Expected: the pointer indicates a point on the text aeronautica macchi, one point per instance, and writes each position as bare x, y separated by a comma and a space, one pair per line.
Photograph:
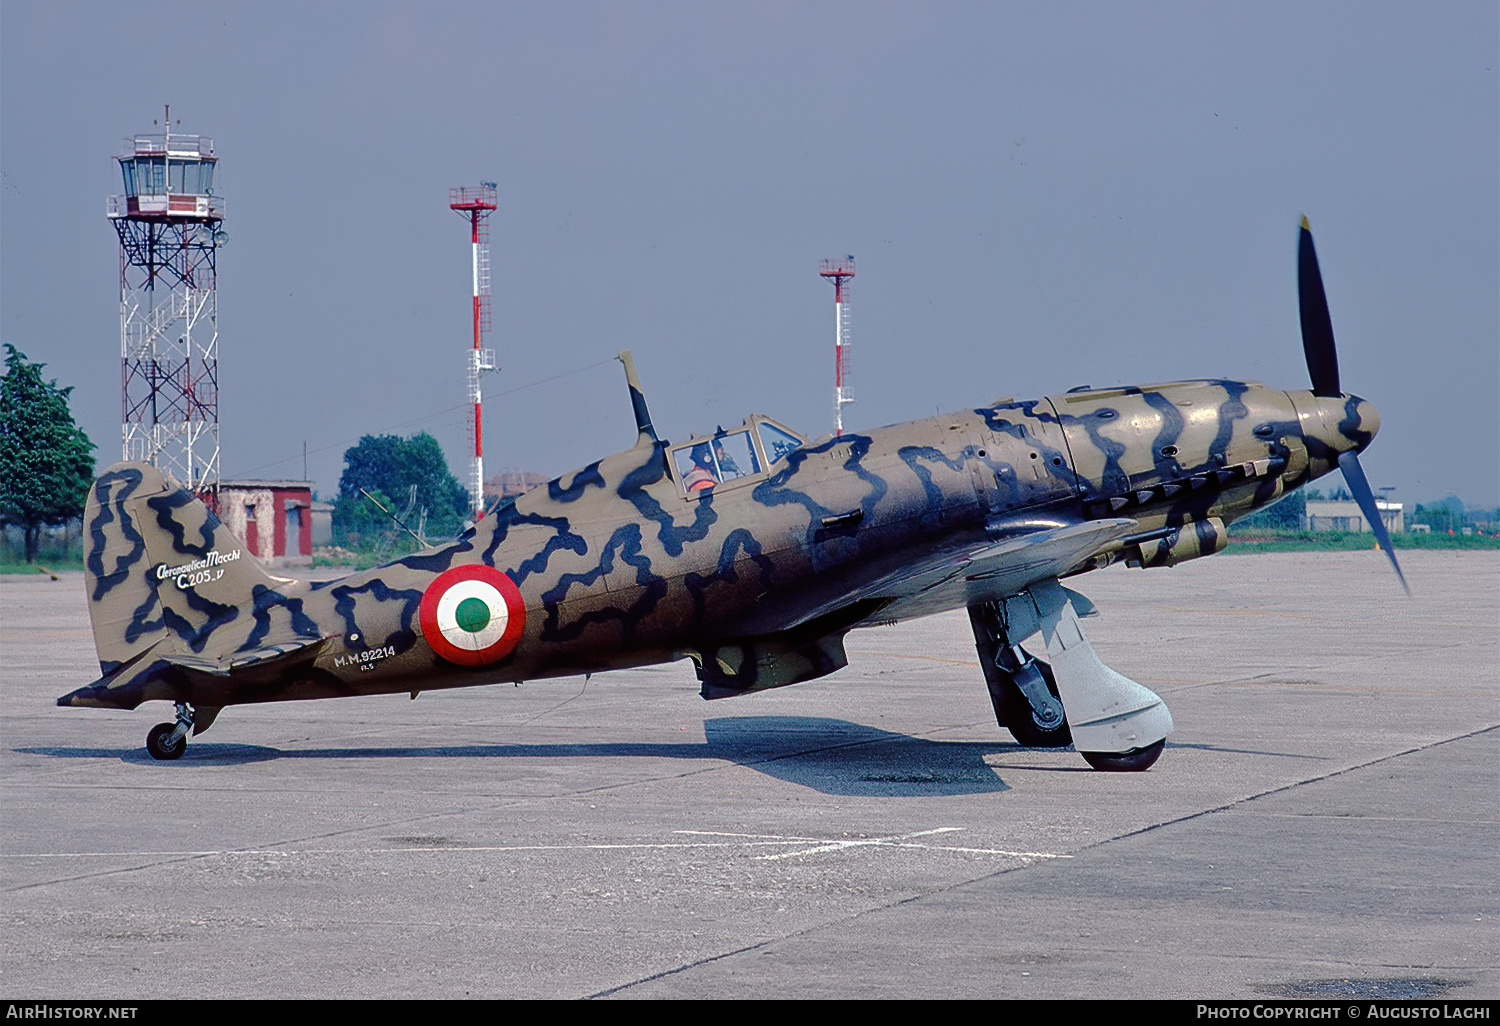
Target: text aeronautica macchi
751, 552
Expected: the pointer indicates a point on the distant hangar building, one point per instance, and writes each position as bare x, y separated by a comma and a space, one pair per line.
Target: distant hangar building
509, 484
273, 517
1344, 515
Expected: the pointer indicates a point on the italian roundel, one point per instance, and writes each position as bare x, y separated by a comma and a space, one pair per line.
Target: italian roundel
472, 615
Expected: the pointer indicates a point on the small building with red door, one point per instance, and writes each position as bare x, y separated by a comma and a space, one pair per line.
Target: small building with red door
274, 518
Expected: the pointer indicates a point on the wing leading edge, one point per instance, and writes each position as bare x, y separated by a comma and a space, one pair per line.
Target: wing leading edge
982, 574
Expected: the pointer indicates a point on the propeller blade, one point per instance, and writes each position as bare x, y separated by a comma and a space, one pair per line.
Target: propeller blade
1317, 325
1354, 475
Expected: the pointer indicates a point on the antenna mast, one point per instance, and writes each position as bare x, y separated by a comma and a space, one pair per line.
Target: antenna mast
475, 206
840, 272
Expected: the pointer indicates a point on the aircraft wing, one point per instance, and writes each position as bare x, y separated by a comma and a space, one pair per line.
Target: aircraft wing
956, 581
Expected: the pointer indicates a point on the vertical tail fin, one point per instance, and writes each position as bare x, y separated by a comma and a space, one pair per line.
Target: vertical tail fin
158, 565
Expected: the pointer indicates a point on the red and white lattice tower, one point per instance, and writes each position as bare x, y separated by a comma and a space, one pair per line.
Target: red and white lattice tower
840, 272
168, 222
476, 205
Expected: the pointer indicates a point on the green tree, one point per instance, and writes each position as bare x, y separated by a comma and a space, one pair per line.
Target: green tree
390, 467
46, 462
1445, 516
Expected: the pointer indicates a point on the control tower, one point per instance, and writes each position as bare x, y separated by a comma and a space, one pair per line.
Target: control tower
169, 224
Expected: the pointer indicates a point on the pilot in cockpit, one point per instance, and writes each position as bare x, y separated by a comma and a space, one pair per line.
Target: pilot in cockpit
702, 476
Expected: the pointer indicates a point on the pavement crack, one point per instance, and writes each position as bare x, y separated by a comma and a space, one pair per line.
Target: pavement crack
843, 921
1189, 817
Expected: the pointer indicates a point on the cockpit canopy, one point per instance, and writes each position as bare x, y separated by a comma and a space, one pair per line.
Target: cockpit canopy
730, 457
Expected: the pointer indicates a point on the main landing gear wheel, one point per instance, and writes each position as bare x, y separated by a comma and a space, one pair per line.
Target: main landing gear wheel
1137, 760
160, 744
1021, 721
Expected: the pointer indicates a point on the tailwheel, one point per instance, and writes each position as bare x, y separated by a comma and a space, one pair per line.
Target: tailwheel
1137, 760
169, 740
163, 742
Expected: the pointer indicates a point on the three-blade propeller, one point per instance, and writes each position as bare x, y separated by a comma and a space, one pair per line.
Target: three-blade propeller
1323, 369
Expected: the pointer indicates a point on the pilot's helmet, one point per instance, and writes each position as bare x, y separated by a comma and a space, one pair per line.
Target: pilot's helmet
701, 456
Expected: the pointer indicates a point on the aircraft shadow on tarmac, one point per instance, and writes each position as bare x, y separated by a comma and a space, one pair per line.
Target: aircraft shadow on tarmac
833, 756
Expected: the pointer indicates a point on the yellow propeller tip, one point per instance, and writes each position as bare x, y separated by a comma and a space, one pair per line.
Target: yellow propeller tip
1305, 226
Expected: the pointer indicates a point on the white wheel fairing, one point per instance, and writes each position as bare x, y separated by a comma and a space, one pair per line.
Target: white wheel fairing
472, 615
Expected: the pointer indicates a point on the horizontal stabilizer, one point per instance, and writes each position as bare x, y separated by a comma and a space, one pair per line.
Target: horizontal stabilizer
271, 659
140, 679
158, 674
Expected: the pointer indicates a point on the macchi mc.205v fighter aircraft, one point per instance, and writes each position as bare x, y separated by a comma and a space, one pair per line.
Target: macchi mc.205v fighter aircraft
751, 552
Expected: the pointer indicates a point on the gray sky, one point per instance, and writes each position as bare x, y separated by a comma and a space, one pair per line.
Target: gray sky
1038, 195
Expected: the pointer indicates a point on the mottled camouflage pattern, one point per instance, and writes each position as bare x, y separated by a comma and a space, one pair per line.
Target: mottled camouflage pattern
756, 580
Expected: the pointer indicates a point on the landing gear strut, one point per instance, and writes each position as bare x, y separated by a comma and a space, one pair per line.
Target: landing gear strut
168, 741
1022, 689
1116, 724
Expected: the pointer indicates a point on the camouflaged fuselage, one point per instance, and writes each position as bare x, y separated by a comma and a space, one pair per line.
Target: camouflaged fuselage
618, 565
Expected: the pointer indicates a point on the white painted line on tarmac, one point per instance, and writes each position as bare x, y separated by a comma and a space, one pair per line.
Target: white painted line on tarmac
818, 845
821, 845
414, 849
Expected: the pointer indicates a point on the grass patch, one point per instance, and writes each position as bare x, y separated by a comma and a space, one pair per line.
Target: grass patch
336, 557
41, 566
54, 554
1264, 540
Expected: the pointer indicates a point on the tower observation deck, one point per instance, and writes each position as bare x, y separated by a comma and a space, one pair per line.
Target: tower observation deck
169, 225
